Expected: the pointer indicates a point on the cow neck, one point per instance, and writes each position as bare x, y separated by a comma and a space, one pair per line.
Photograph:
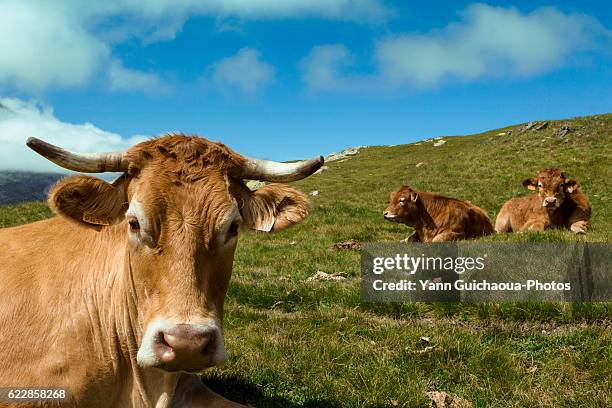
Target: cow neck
424, 221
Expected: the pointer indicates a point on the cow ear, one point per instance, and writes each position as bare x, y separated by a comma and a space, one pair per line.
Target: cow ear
570, 185
414, 196
274, 207
89, 201
531, 183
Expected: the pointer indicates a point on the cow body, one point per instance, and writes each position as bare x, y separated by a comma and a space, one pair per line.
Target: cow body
119, 299
559, 203
436, 218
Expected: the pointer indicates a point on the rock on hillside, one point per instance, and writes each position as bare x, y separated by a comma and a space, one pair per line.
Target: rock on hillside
351, 151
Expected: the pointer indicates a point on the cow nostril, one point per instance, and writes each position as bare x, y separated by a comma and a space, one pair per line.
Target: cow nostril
206, 345
166, 339
164, 348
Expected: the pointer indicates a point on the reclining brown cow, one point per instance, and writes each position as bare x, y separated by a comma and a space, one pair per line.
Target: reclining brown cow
436, 218
558, 204
119, 299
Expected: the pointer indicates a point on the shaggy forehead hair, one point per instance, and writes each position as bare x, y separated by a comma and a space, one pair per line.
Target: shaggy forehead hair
204, 167
187, 158
552, 173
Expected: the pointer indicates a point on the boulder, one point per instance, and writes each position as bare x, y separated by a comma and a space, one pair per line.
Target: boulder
564, 130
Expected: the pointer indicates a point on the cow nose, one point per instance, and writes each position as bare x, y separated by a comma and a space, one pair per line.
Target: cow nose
185, 345
549, 201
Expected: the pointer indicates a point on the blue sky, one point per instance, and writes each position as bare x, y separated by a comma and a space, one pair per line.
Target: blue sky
292, 79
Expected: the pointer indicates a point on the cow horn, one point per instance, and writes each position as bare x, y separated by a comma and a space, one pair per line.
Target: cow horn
266, 170
83, 162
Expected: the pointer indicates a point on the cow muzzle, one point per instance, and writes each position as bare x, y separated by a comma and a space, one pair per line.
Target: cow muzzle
550, 202
182, 347
389, 216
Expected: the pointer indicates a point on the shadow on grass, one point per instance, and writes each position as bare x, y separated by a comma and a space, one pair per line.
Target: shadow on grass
303, 298
239, 390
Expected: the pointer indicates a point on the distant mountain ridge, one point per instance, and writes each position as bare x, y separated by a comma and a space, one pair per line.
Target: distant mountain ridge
23, 186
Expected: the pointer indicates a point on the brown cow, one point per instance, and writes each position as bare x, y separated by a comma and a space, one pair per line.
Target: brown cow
120, 297
558, 204
436, 218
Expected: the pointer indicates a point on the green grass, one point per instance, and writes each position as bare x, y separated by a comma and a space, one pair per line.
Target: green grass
294, 343
17, 214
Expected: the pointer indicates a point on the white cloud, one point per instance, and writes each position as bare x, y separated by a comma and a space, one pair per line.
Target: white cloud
351, 10
22, 119
125, 79
244, 71
347, 10
327, 68
44, 47
490, 41
322, 67
64, 43
487, 42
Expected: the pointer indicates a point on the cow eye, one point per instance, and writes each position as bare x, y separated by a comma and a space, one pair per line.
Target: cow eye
233, 229
539, 184
134, 225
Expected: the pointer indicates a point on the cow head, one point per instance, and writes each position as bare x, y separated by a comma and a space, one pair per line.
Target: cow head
552, 187
403, 205
178, 207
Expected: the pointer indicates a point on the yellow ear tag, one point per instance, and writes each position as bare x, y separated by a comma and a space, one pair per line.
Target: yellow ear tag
531, 187
89, 218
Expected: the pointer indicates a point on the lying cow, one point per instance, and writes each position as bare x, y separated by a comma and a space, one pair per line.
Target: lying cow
436, 218
120, 297
558, 204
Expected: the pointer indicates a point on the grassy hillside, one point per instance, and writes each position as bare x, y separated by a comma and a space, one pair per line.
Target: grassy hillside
297, 343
